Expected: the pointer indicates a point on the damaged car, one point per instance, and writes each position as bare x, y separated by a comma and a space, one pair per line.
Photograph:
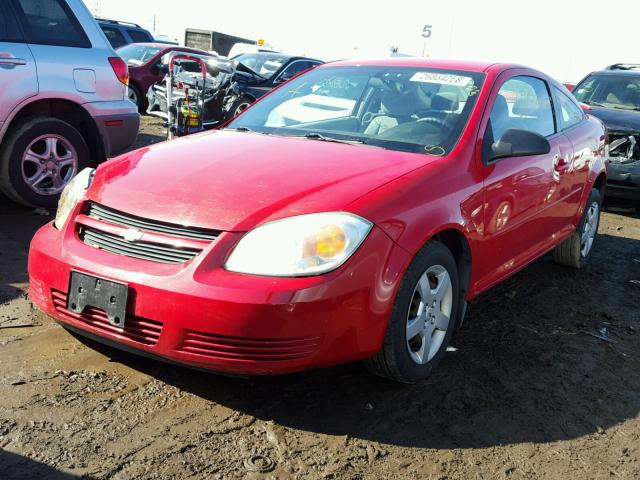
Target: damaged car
265, 249
613, 95
230, 85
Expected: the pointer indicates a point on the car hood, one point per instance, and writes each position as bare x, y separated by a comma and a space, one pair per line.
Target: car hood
233, 181
617, 120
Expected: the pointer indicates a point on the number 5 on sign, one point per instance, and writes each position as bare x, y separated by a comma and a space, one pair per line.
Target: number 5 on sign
427, 30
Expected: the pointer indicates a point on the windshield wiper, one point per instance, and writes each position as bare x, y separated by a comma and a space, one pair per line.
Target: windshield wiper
238, 129
318, 136
595, 104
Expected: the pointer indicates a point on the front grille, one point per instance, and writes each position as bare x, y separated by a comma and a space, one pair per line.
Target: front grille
160, 241
140, 330
234, 348
115, 217
143, 250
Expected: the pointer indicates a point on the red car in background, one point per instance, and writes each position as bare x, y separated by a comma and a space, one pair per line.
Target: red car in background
274, 245
144, 61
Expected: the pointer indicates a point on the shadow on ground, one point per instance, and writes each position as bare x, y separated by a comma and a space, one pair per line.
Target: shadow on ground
17, 226
17, 467
525, 370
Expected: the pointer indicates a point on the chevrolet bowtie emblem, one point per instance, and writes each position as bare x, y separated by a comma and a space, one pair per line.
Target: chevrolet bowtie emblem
132, 235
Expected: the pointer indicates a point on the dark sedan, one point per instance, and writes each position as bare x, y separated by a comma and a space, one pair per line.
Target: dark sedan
257, 73
613, 95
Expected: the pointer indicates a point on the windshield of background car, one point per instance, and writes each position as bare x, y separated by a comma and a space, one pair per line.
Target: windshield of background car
264, 64
622, 92
137, 54
400, 108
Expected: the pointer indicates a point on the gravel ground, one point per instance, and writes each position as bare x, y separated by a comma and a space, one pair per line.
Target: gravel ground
529, 393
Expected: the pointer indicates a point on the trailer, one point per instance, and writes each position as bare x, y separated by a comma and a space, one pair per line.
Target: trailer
209, 40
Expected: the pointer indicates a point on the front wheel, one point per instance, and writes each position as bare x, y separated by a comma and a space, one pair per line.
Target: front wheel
423, 318
576, 250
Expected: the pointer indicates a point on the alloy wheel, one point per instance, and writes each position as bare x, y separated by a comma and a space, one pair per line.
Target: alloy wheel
429, 315
48, 164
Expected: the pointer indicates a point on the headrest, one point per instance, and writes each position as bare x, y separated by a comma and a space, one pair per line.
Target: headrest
445, 102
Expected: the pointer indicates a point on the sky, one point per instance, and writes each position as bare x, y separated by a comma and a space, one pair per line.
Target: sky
564, 38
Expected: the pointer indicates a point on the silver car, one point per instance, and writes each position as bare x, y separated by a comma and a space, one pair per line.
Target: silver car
63, 102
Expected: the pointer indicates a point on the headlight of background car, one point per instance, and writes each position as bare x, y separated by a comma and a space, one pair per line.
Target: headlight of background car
299, 246
71, 195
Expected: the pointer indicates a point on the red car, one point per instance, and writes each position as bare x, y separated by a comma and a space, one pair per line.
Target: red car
144, 61
275, 245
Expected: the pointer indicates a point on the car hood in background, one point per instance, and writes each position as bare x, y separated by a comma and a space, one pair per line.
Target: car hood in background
234, 181
617, 120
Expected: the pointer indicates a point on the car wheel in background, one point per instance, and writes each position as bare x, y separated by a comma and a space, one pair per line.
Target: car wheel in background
239, 105
39, 157
576, 250
134, 95
423, 318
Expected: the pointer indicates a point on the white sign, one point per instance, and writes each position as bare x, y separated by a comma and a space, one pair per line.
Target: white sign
442, 78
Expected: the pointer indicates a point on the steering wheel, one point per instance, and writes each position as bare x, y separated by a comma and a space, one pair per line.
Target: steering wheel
441, 124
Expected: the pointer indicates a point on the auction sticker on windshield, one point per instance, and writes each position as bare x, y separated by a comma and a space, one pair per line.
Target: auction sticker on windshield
442, 78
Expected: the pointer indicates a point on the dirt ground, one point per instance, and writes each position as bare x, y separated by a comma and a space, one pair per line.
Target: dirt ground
528, 393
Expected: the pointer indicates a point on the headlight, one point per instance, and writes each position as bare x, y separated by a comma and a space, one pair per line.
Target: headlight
299, 246
71, 195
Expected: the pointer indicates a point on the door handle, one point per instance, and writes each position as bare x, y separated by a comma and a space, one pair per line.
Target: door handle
560, 164
8, 59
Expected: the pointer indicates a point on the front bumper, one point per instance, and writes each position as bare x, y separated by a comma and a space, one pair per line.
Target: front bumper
623, 181
200, 315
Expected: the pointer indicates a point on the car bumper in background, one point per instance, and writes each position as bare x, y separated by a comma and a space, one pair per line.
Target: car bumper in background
623, 181
203, 316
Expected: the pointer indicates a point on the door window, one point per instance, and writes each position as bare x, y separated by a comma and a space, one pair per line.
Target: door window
523, 103
50, 22
8, 28
295, 68
570, 114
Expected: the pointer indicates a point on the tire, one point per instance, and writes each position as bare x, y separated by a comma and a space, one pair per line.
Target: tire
133, 93
40, 147
399, 358
239, 105
576, 250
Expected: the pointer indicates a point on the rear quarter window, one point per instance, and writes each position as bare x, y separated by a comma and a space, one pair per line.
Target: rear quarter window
115, 37
50, 22
8, 29
138, 36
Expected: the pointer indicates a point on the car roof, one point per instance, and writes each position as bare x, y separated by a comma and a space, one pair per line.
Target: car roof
167, 46
466, 65
617, 72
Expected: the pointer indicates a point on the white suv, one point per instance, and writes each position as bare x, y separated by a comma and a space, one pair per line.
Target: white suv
63, 102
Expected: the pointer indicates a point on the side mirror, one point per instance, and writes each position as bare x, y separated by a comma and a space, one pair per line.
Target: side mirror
519, 143
160, 68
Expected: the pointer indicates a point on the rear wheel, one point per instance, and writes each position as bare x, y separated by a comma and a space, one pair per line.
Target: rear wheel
39, 158
423, 319
576, 250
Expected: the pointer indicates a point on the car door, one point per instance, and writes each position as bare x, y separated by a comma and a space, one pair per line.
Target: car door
573, 123
18, 75
521, 208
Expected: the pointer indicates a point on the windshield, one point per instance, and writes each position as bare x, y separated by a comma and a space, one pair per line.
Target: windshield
621, 92
137, 54
400, 108
264, 64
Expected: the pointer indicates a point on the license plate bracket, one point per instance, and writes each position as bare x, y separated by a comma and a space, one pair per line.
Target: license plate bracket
91, 291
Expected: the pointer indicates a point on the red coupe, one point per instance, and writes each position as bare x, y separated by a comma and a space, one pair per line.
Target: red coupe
278, 244
145, 62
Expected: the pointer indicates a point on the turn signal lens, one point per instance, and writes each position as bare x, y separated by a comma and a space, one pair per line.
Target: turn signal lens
327, 243
120, 68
